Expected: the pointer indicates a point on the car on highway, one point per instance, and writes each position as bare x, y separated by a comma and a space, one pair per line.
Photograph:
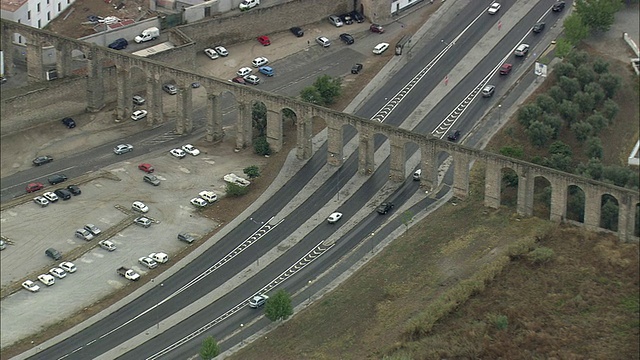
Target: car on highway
212, 54
56, 179
46, 279
522, 50
151, 179
41, 160
146, 168
179, 153
385, 207
148, 262
74, 189
375, 28
248, 4
68, 266
53, 253
107, 245
58, 272
454, 135
94, 230
122, 149
257, 301
138, 100
170, 89
260, 61
333, 218
538, 27
244, 71
221, 50
41, 200
84, 234
488, 91
142, 221
266, 70
139, 206
264, 40
138, 115
33, 187
558, 6
356, 68
505, 69
31, 286
209, 196
186, 237
63, 194
239, 80
297, 31
159, 257
51, 196
493, 9
199, 202
380, 48
347, 38
335, 20
252, 79
69, 122
323, 41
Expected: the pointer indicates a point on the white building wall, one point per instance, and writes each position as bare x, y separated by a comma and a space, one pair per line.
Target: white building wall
36, 13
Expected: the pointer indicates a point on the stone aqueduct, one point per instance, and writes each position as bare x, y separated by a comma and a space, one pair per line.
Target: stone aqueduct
155, 72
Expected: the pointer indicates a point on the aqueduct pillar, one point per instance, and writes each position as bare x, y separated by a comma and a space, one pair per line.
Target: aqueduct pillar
35, 69
95, 80
274, 130
215, 131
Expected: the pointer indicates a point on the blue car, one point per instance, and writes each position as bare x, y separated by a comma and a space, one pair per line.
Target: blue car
267, 70
119, 44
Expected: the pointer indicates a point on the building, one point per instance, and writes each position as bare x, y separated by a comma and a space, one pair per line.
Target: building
35, 13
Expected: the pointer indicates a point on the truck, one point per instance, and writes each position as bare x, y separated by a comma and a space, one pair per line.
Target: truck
149, 34
127, 273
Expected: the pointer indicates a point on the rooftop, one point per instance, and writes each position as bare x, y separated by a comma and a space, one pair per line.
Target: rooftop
12, 5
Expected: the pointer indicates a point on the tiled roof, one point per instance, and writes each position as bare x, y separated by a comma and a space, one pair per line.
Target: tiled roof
12, 5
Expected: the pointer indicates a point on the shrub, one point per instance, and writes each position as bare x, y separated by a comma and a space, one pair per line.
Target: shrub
578, 57
261, 146
558, 147
553, 121
311, 95
564, 69
539, 133
600, 66
516, 152
569, 111
618, 175
597, 92
541, 255
557, 94
501, 322
610, 110
560, 162
594, 148
582, 130
593, 169
528, 114
546, 103
585, 74
585, 102
252, 171
610, 83
570, 86
597, 122
236, 190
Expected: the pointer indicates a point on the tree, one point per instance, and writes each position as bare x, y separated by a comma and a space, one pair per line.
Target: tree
311, 95
618, 175
599, 14
582, 130
529, 113
570, 86
585, 102
561, 162
209, 349
236, 190
516, 152
259, 118
575, 30
578, 57
558, 147
610, 83
555, 122
329, 88
585, 74
595, 90
563, 47
594, 169
594, 148
609, 211
546, 103
539, 133
288, 114
261, 146
600, 66
557, 94
597, 122
569, 111
610, 110
278, 307
252, 171
564, 68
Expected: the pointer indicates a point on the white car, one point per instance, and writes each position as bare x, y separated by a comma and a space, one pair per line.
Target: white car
142, 221
58, 272
31, 286
179, 153
494, 8
323, 41
252, 79
49, 195
47, 279
138, 115
221, 50
122, 149
209, 196
258, 301
333, 218
92, 229
159, 257
68, 266
148, 262
244, 71
212, 54
107, 245
190, 149
41, 200
380, 48
199, 202
260, 61
84, 234
248, 4
139, 206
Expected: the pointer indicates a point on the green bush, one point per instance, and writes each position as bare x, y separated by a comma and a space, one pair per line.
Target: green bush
252, 171
236, 190
261, 146
541, 255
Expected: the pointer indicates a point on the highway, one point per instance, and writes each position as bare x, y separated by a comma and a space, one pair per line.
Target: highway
117, 325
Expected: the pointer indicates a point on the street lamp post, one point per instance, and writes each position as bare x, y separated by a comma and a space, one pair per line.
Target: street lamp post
499, 112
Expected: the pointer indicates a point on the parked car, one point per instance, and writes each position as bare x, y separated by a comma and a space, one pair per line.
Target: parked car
119, 44
146, 168
266, 70
151, 179
159, 257
139, 206
488, 91
454, 136
264, 40
346, 19
493, 9
148, 262
198, 202
138, 100
107, 245
297, 31
93, 229
384, 208
323, 41
221, 50
138, 115
380, 48
186, 237
239, 80
558, 6
41, 160
212, 54
31, 286
58, 272
68, 266
252, 79
57, 179
505, 69
248, 4
257, 301
122, 149
51, 196
53, 253
69, 122
333, 218
357, 17
244, 71
128, 274
179, 153
538, 27
260, 61
335, 20
74, 189
347, 38
375, 28
356, 68
209, 196
41, 200
84, 234
47, 279
522, 50
191, 150
33, 187
142, 221
3, 245
170, 89
63, 194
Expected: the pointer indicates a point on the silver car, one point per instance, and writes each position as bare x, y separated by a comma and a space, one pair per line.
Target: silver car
84, 234
170, 89
122, 149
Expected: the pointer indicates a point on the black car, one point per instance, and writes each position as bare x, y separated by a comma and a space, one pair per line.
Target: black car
57, 178
186, 237
74, 189
357, 17
384, 208
356, 68
41, 160
297, 31
63, 194
558, 6
454, 136
346, 19
347, 38
69, 122
53, 253
119, 44
538, 27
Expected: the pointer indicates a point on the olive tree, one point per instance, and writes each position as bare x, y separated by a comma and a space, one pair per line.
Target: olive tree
210, 348
278, 306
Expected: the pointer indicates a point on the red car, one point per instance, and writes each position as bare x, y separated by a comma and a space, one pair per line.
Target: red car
505, 69
239, 80
34, 187
146, 168
264, 40
376, 28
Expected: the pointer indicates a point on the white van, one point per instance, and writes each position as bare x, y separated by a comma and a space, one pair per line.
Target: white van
159, 257
416, 175
149, 34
